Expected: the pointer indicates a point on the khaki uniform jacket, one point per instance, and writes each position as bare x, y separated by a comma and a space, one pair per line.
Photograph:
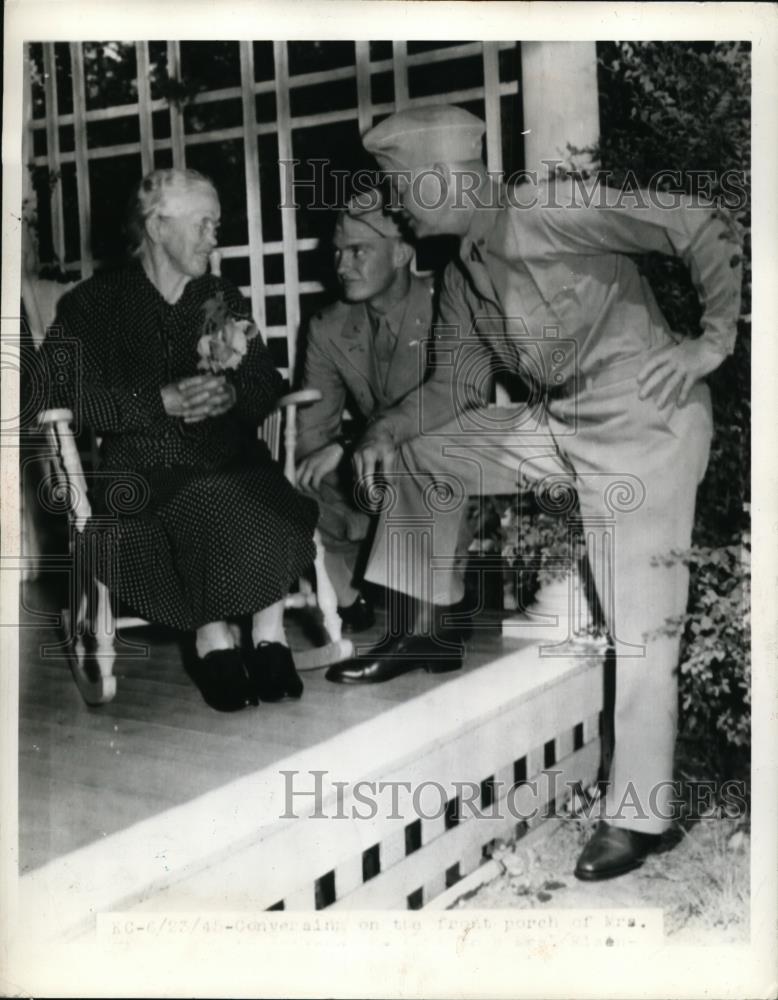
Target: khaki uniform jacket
340, 362
545, 286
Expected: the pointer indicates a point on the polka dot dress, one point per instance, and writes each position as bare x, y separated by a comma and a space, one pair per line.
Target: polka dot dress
194, 523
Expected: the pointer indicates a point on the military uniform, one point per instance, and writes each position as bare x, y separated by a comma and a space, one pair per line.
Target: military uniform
365, 363
547, 288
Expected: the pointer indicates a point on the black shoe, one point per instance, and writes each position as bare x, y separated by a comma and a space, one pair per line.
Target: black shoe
223, 681
613, 851
395, 656
272, 672
357, 616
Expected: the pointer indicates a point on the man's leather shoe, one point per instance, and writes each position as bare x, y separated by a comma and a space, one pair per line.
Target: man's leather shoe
357, 616
613, 851
395, 656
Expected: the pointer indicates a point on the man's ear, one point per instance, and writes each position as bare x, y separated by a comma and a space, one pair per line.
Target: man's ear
403, 253
444, 169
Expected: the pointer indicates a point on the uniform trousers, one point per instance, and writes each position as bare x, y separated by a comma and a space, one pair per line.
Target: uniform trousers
636, 470
343, 527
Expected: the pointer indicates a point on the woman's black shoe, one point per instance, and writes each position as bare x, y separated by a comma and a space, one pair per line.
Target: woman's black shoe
272, 672
223, 681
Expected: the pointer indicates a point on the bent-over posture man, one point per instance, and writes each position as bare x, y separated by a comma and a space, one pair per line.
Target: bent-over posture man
544, 285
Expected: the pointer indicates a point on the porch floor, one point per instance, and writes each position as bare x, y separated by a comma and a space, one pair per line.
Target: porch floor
87, 773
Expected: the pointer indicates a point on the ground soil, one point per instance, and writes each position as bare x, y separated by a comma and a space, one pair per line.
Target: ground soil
699, 879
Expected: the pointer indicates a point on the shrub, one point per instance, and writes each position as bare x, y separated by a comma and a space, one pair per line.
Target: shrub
715, 664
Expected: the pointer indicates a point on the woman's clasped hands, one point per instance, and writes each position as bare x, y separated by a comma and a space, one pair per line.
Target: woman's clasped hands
197, 397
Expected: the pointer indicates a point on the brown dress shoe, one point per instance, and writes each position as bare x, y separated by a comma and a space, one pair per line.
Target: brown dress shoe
613, 851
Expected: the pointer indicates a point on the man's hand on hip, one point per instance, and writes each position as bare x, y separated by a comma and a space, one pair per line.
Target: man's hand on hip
675, 369
371, 455
319, 464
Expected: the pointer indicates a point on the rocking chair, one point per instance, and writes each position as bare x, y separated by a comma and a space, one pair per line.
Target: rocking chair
90, 621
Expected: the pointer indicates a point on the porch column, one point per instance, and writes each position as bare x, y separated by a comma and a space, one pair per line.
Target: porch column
559, 94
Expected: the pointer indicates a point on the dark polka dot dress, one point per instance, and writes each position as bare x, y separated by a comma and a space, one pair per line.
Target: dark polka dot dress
193, 523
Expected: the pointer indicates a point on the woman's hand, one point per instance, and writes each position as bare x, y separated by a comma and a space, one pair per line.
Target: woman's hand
200, 396
221, 399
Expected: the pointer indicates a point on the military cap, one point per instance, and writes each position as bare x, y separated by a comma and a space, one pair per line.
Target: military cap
367, 209
419, 137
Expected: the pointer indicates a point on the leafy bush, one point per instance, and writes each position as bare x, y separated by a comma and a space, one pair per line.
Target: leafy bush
716, 652
535, 545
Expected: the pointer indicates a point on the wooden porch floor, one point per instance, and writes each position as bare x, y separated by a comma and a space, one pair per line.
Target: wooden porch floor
87, 773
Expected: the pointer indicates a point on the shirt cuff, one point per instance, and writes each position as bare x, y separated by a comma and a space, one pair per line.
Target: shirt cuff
142, 408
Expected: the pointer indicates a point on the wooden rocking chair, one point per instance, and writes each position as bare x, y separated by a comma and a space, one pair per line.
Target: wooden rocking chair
90, 622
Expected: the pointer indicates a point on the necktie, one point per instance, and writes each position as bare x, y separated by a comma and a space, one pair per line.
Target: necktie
477, 270
492, 319
384, 343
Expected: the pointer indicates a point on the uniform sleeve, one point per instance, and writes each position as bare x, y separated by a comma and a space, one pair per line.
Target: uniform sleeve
321, 422
581, 220
257, 381
458, 374
74, 358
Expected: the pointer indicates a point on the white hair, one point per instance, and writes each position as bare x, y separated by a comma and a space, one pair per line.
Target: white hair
152, 191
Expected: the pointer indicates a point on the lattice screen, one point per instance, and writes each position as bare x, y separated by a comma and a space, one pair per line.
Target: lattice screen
102, 114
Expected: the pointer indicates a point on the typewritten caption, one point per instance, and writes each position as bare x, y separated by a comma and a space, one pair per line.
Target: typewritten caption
539, 930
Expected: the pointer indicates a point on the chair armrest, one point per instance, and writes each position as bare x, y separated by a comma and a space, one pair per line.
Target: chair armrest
289, 404
48, 417
300, 398
67, 461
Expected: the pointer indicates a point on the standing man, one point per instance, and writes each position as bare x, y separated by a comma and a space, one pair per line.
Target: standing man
363, 355
544, 286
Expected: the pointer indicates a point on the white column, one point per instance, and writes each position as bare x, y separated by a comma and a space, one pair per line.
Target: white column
559, 95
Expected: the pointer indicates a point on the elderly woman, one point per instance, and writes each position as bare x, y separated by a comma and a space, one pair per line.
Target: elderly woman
218, 533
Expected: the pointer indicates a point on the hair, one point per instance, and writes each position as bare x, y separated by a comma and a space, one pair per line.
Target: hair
150, 194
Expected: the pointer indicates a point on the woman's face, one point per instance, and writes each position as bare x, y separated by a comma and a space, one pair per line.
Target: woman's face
188, 231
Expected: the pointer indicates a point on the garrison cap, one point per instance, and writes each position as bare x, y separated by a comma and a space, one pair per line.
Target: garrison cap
419, 137
367, 210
